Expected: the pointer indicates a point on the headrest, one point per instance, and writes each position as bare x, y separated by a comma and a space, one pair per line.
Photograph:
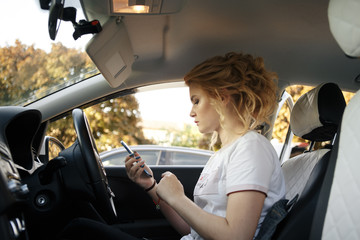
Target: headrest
317, 114
344, 24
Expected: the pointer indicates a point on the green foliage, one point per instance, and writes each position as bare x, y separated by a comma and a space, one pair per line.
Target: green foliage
188, 137
17, 64
110, 122
115, 120
29, 73
63, 130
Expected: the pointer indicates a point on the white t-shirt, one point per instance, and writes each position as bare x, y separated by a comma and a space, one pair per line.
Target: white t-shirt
249, 163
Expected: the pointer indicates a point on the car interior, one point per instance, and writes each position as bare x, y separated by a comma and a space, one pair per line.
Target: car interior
316, 117
146, 43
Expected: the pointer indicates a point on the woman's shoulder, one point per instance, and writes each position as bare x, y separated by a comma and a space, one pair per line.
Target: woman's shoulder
254, 141
250, 141
250, 136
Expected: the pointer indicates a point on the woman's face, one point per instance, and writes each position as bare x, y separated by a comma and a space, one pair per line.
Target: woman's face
205, 115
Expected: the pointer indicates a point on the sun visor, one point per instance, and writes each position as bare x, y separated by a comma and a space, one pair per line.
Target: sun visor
111, 52
344, 23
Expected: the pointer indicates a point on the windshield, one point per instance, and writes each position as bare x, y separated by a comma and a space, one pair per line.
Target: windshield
31, 64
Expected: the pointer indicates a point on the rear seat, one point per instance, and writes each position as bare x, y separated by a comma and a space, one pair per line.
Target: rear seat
315, 117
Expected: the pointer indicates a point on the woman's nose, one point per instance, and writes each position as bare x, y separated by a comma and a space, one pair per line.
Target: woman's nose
192, 113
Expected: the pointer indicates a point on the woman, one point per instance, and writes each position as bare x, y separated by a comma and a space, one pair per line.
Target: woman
232, 96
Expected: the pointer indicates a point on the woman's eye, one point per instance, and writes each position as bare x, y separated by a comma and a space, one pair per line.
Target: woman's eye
196, 101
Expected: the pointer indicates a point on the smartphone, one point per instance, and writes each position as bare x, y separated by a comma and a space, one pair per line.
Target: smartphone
131, 152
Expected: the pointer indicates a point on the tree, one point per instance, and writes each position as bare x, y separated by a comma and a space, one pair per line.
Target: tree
187, 137
115, 120
29, 73
110, 122
18, 71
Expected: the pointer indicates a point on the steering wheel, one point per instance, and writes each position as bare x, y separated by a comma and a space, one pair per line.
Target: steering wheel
95, 169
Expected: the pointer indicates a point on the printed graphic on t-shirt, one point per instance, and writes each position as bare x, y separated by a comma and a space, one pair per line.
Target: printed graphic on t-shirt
207, 183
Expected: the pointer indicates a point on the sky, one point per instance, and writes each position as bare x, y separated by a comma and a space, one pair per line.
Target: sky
173, 105
24, 20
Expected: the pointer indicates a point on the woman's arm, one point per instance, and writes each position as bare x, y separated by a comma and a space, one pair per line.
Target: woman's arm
242, 214
135, 173
171, 215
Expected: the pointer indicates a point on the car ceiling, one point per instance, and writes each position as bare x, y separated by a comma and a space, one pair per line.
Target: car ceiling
293, 37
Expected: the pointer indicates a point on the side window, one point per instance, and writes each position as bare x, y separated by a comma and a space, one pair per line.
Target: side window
117, 157
149, 116
182, 158
151, 157
159, 115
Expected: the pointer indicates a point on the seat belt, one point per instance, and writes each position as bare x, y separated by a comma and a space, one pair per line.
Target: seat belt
322, 204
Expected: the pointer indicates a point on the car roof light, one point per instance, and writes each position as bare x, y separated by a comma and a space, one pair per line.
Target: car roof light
124, 7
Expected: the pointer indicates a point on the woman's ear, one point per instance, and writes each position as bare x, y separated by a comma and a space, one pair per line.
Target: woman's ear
225, 97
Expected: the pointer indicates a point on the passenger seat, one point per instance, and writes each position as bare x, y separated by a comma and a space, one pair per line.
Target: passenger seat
315, 117
337, 214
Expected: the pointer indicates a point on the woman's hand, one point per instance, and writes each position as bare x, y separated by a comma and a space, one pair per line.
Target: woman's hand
135, 167
170, 188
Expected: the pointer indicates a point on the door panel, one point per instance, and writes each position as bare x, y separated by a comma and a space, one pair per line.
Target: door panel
136, 211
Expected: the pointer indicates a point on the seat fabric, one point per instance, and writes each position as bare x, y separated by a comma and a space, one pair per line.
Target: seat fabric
343, 212
301, 165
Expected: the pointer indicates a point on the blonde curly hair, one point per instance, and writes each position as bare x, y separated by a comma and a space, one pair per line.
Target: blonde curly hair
252, 89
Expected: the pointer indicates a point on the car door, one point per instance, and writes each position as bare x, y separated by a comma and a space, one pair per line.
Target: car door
136, 211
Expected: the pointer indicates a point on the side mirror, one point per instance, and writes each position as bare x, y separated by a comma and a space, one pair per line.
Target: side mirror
50, 149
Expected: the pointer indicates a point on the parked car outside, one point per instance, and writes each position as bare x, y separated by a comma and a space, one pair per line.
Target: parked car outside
158, 155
